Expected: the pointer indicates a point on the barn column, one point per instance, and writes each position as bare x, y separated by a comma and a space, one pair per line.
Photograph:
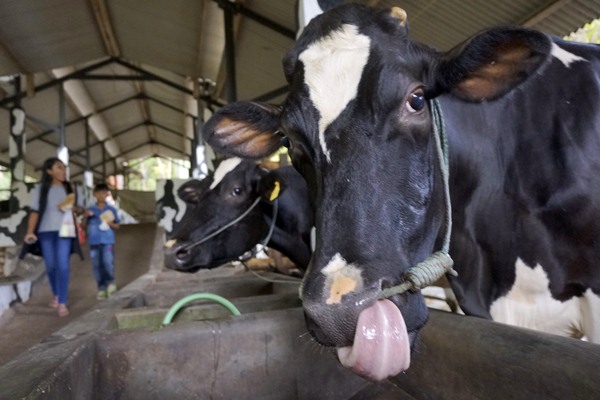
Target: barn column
103, 163
199, 160
62, 152
19, 197
16, 146
88, 175
229, 13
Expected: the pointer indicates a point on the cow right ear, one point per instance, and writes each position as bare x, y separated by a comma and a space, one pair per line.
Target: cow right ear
245, 129
492, 63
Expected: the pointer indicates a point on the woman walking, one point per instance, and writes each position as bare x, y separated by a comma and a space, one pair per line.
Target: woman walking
51, 199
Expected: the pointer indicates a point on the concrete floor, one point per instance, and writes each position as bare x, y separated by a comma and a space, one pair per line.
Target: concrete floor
27, 324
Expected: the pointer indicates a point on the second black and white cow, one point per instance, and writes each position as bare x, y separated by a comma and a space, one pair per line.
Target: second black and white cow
216, 206
521, 120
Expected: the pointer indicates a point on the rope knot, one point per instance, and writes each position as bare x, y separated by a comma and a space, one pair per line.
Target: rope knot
423, 274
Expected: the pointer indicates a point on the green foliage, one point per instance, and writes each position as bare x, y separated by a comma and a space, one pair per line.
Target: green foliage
589, 33
142, 174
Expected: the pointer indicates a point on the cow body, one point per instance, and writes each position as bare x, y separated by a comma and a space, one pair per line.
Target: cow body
520, 117
223, 197
526, 198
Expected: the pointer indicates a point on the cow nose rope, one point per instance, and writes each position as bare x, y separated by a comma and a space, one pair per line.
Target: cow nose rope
225, 227
439, 263
263, 243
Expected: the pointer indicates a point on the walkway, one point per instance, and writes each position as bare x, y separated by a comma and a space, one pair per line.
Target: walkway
27, 324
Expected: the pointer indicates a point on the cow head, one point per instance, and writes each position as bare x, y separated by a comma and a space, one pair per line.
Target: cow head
214, 202
360, 131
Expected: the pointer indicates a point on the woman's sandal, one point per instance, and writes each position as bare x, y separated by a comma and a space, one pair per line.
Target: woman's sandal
63, 311
54, 303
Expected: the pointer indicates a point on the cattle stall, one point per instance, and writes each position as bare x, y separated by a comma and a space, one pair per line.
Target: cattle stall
121, 351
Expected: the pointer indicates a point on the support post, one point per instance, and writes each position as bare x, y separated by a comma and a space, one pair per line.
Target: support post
103, 163
198, 160
88, 175
62, 151
228, 13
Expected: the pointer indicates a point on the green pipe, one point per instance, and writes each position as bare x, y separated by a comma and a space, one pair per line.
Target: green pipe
199, 296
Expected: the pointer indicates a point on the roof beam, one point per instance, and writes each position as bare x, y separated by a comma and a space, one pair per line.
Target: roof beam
105, 26
272, 94
54, 82
545, 13
154, 76
240, 9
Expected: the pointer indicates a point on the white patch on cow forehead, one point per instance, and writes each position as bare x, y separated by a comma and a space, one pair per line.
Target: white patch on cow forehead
332, 70
564, 56
223, 169
341, 278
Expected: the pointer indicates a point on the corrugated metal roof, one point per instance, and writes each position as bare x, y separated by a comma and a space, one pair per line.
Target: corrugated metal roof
445, 23
177, 42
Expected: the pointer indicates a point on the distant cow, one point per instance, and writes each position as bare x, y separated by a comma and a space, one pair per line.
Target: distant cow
222, 199
522, 124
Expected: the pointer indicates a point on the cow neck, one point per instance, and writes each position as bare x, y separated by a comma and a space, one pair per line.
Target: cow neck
439, 263
263, 243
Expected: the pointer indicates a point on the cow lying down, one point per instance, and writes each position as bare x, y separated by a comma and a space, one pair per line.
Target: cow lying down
370, 119
236, 188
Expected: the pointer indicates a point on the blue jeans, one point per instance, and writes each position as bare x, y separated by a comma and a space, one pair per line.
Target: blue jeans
103, 264
56, 252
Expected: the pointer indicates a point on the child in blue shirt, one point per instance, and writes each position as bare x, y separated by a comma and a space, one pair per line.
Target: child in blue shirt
102, 220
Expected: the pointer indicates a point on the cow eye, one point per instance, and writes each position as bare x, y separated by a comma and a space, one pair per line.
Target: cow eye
416, 101
236, 191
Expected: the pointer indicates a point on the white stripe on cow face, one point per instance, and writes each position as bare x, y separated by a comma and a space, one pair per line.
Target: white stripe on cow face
333, 67
225, 167
529, 304
341, 278
564, 56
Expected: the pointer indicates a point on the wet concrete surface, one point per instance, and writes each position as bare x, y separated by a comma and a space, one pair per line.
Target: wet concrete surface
27, 324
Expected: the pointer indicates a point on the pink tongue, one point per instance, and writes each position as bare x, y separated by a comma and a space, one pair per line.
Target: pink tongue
381, 346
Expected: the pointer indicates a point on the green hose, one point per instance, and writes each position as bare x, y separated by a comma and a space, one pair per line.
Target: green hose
199, 296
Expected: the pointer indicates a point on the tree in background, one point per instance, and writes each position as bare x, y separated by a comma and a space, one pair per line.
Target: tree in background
142, 174
589, 33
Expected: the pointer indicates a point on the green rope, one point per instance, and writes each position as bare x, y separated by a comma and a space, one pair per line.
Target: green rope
441, 140
435, 266
423, 274
199, 296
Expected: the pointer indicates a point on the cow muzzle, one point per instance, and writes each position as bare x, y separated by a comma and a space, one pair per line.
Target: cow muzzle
369, 334
178, 256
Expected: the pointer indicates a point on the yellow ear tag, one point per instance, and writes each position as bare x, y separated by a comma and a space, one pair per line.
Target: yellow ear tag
275, 192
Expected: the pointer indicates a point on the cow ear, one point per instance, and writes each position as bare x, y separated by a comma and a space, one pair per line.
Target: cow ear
271, 186
492, 63
244, 129
193, 190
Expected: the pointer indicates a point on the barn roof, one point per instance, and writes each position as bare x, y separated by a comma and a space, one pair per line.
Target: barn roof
132, 69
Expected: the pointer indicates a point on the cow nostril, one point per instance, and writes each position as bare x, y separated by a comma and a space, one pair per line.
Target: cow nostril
182, 254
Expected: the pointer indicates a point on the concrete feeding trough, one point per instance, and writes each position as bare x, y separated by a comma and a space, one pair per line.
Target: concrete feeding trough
121, 351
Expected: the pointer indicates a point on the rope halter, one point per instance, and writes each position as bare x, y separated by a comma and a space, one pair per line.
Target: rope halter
439, 263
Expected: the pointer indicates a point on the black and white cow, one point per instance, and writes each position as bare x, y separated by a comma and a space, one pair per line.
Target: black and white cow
222, 198
522, 124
